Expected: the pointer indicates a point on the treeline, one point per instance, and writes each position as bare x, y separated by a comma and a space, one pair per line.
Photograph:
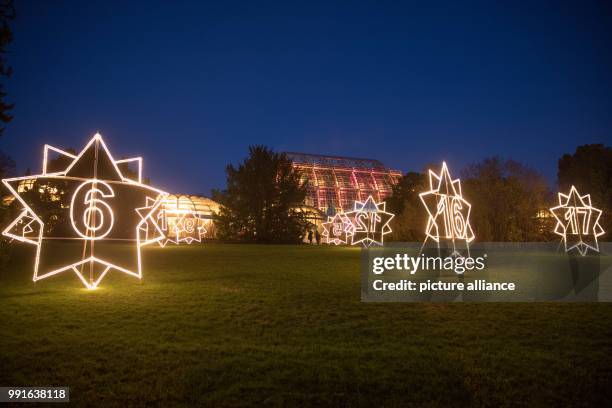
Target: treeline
510, 201
7, 165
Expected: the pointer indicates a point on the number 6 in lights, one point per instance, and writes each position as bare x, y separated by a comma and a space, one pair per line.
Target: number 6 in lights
93, 219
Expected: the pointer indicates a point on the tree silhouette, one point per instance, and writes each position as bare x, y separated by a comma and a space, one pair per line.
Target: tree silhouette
590, 170
508, 199
410, 215
7, 13
262, 200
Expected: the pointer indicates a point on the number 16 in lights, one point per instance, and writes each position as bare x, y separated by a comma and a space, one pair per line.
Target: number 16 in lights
449, 212
454, 224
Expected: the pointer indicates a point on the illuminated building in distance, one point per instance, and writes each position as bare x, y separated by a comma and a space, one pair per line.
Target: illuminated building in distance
334, 183
187, 218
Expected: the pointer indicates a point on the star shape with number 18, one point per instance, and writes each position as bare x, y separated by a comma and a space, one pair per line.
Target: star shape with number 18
338, 229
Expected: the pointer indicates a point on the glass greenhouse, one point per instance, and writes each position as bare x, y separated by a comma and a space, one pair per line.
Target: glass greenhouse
335, 183
187, 217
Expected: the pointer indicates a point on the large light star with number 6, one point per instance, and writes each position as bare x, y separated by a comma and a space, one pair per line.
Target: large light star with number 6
89, 201
577, 222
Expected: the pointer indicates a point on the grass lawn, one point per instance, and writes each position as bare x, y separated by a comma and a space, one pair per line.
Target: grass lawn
238, 325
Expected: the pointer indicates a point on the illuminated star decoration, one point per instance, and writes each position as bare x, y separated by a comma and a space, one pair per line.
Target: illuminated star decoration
577, 222
338, 229
370, 222
189, 228
96, 203
449, 212
181, 222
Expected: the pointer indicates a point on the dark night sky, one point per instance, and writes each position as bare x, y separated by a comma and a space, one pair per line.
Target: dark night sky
190, 86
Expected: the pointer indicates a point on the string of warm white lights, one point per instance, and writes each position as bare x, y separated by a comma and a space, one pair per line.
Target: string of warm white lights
103, 204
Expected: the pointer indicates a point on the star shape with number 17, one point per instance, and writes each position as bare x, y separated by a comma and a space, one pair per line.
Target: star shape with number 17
577, 222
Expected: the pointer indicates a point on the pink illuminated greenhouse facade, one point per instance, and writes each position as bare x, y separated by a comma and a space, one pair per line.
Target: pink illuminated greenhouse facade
335, 183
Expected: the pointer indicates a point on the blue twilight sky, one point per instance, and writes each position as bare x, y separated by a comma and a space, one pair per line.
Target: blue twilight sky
190, 85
